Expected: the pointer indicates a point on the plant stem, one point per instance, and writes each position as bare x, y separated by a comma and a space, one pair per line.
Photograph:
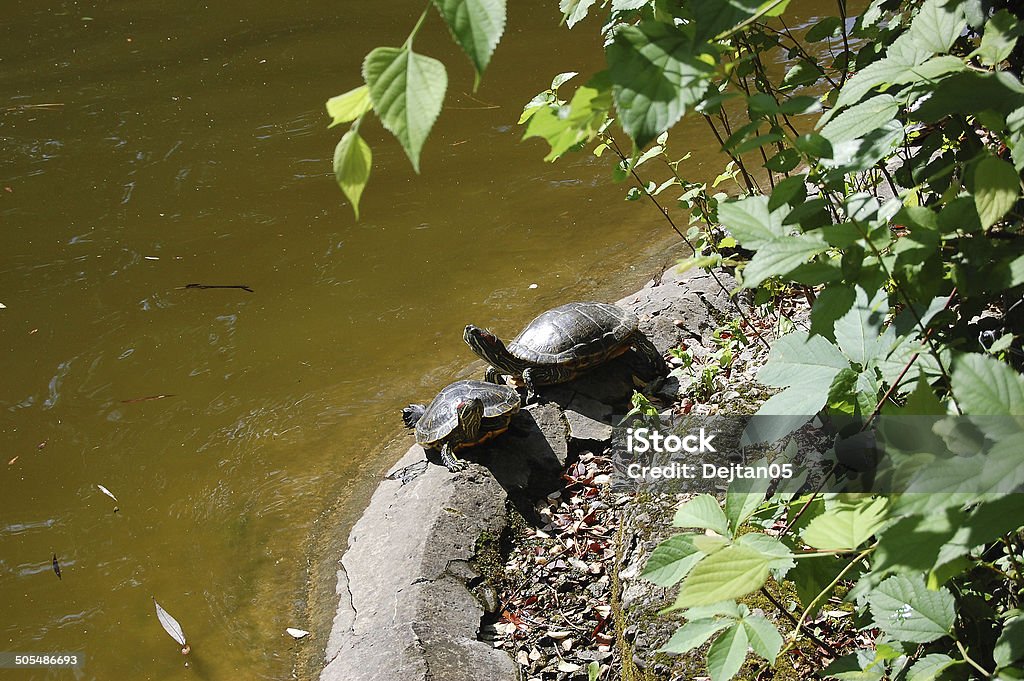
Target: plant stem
968, 660
417, 27
807, 632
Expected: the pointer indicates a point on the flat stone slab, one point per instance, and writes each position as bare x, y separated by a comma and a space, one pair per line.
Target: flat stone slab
405, 609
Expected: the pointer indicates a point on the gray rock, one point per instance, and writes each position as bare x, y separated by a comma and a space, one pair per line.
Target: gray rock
582, 427
405, 610
529, 458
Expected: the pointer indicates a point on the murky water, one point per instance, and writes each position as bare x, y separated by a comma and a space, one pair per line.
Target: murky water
145, 146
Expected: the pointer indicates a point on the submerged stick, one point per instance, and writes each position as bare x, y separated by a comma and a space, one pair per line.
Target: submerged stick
241, 286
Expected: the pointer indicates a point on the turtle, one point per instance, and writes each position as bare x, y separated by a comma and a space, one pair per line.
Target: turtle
464, 414
562, 342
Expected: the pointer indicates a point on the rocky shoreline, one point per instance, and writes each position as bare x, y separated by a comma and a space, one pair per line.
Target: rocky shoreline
520, 566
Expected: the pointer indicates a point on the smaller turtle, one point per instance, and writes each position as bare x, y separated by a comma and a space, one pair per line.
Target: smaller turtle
464, 414
561, 343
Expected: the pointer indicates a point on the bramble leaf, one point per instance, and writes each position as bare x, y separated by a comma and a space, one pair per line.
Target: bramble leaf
476, 25
903, 607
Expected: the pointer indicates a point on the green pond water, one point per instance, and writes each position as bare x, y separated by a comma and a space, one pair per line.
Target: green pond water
145, 146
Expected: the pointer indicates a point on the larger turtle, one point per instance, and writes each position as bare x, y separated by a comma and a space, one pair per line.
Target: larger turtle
562, 342
463, 414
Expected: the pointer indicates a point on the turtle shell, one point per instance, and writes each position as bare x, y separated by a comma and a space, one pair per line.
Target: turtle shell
578, 335
440, 417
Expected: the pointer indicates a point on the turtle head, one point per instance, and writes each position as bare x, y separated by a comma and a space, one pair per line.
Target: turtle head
489, 348
470, 413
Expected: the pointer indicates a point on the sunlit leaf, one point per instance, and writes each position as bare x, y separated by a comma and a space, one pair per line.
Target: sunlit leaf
671, 560
352, 162
731, 573
905, 608
349, 106
703, 512
847, 525
996, 189
997, 42
407, 90
170, 624
476, 25
694, 634
574, 11
727, 653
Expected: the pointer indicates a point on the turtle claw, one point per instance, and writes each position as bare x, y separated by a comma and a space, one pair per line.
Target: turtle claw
450, 462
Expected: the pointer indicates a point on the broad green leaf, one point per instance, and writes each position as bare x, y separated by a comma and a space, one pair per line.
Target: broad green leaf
804, 73
847, 525
407, 90
796, 359
713, 17
895, 71
861, 119
858, 666
781, 256
814, 145
352, 162
671, 560
731, 573
996, 189
811, 576
727, 653
779, 554
694, 634
349, 106
750, 221
829, 26
1001, 473
657, 72
1010, 646
577, 122
984, 385
863, 153
937, 25
832, 303
903, 607
859, 332
742, 499
1000, 37
702, 512
476, 25
574, 11
930, 667
764, 637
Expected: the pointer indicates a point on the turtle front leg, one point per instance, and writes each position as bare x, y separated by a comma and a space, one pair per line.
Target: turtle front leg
538, 376
651, 357
492, 375
449, 460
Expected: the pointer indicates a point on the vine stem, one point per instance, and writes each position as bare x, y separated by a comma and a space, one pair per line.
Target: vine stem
828, 589
417, 27
807, 632
664, 212
967, 658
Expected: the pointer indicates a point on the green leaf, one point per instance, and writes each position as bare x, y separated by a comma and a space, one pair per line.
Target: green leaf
750, 221
742, 499
352, 162
727, 653
1010, 646
804, 73
784, 161
625, 5
731, 573
694, 634
811, 576
657, 72
574, 11
780, 257
999, 39
476, 26
702, 512
896, 69
781, 558
903, 607
714, 17
763, 636
937, 25
671, 560
984, 385
827, 27
861, 119
349, 106
930, 667
847, 525
832, 303
859, 332
996, 188
566, 127
407, 90
814, 145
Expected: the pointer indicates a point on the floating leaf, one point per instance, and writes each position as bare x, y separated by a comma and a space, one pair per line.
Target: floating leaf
106, 491
297, 633
170, 625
